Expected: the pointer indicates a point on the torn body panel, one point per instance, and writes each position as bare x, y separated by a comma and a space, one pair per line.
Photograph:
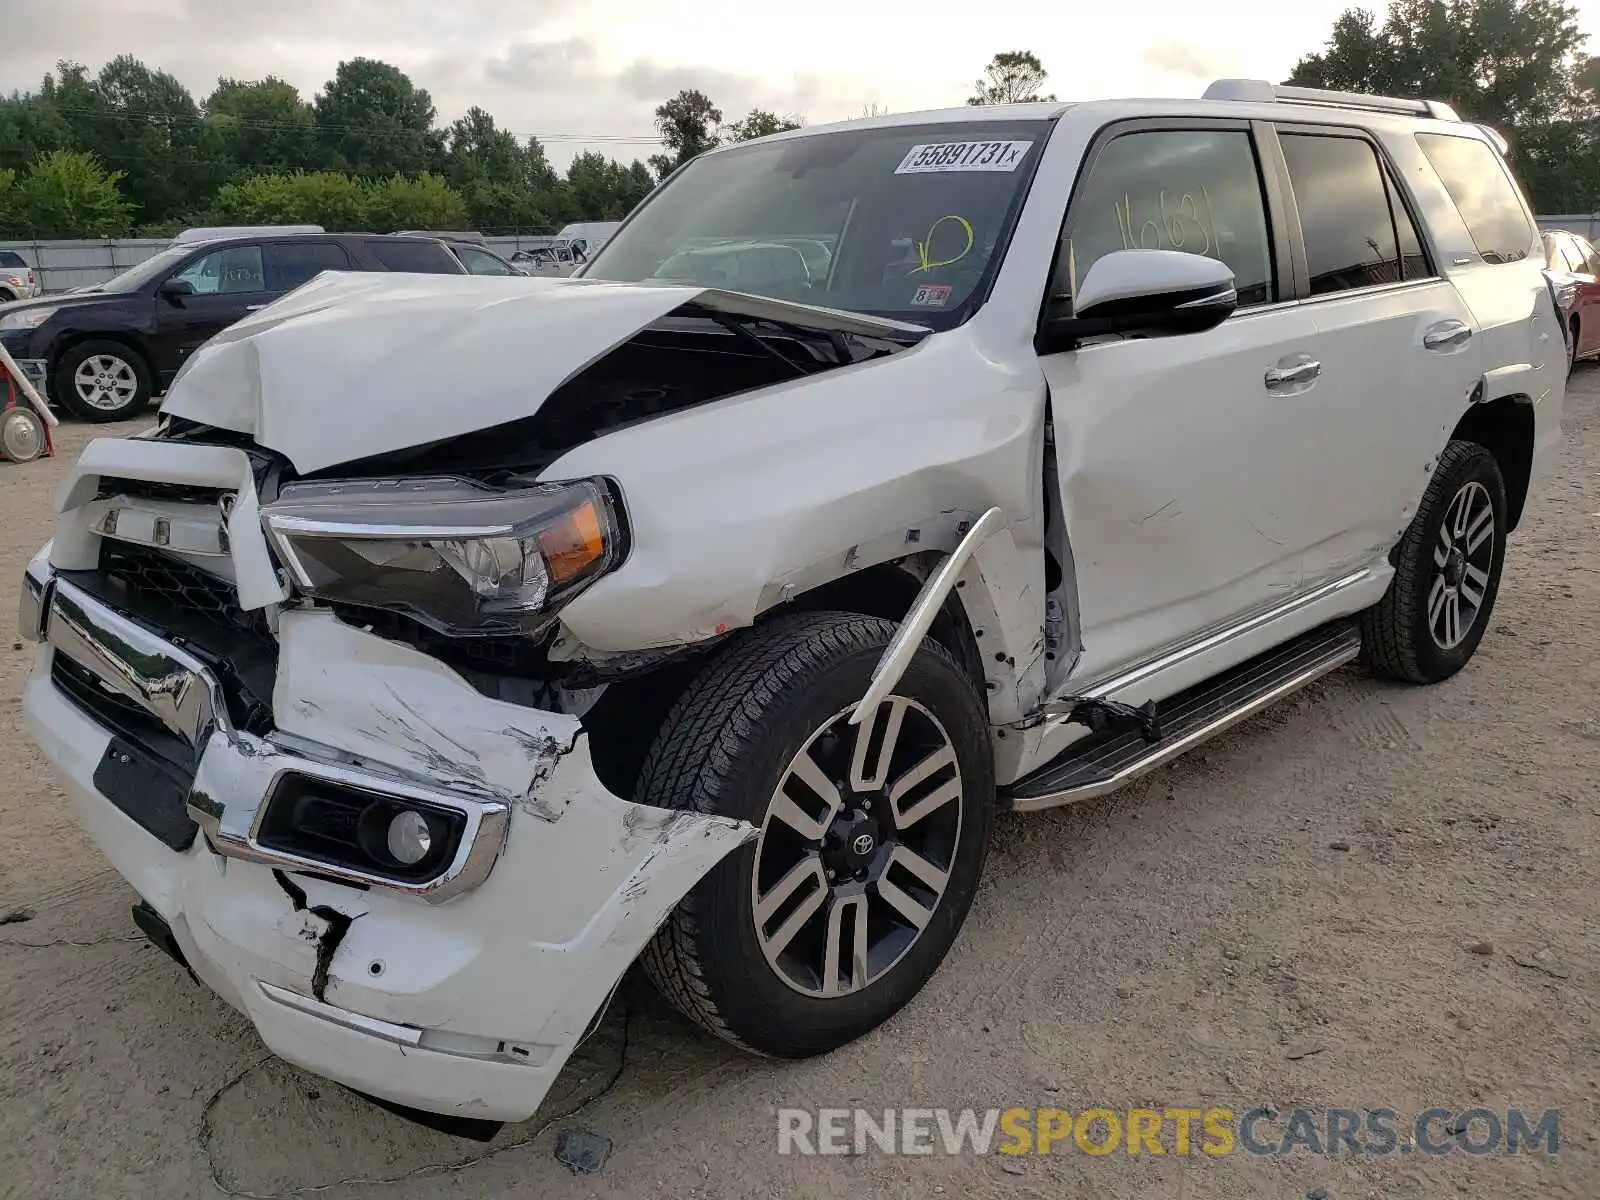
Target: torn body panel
468, 1007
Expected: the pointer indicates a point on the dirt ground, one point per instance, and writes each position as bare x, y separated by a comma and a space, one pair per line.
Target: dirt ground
1317, 881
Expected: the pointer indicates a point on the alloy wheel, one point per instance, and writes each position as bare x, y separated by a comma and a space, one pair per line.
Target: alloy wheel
1462, 560
105, 381
857, 848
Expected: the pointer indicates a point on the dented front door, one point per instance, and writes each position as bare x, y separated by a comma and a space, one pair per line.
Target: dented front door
1179, 462
1180, 458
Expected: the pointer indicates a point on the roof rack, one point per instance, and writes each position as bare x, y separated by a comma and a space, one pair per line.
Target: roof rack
1260, 91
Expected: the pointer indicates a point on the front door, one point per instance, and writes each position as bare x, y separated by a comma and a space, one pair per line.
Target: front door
1181, 459
229, 283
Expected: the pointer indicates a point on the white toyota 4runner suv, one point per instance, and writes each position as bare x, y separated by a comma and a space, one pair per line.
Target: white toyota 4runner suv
453, 643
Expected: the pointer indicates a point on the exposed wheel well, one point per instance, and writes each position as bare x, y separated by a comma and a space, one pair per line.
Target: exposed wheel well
1504, 428
623, 723
6, 295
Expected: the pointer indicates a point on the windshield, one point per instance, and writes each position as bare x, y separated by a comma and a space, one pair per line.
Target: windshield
904, 222
136, 277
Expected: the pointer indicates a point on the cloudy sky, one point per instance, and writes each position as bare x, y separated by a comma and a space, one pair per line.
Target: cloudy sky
590, 72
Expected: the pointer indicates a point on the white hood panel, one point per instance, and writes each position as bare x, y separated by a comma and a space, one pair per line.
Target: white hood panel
352, 365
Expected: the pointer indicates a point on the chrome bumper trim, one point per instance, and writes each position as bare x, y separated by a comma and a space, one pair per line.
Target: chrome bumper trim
401, 1035
239, 772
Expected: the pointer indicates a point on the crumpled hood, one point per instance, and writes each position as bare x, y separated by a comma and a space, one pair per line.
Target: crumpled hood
353, 364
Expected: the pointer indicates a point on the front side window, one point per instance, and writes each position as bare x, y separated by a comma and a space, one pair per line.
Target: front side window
906, 221
226, 272
1194, 190
479, 262
1345, 219
1483, 194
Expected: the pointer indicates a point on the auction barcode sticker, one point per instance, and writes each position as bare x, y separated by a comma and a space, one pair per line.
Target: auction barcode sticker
963, 156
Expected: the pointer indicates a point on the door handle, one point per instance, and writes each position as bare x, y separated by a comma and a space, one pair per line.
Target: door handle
1294, 371
1447, 335
253, 307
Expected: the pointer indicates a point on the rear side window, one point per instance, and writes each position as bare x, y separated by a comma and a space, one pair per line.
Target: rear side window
1195, 190
1345, 219
10, 258
294, 263
427, 258
1477, 181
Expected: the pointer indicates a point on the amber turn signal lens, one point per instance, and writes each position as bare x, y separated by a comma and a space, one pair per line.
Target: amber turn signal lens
572, 543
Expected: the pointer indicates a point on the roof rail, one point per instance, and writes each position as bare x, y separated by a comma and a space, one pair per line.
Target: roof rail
1260, 91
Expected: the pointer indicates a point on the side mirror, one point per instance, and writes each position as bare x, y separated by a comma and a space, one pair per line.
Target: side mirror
176, 289
1157, 293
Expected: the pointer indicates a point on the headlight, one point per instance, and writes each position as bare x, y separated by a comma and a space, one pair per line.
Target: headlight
458, 556
28, 318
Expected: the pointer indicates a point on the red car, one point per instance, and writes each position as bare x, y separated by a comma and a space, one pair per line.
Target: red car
1569, 256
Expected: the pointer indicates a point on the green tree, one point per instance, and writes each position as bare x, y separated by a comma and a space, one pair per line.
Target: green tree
1012, 77
414, 202
69, 195
477, 151
372, 119
144, 124
10, 205
262, 125
759, 123
327, 198
29, 127
1517, 65
688, 127
602, 189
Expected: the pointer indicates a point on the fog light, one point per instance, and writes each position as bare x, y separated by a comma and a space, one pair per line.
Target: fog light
409, 838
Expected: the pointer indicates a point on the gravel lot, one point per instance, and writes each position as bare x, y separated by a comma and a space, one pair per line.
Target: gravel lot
1312, 882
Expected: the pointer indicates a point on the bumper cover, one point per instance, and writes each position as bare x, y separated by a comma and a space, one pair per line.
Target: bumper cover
466, 1003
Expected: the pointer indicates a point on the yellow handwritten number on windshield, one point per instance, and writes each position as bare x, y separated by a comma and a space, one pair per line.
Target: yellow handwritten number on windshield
925, 261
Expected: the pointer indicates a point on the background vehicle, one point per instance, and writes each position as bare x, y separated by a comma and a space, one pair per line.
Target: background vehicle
102, 352
711, 628
586, 238
17, 279
480, 260
1574, 263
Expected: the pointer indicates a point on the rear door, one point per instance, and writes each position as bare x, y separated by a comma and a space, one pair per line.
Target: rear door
1394, 340
228, 283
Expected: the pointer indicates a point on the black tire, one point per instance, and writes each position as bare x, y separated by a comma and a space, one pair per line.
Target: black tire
724, 749
1399, 635
1572, 346
65, 393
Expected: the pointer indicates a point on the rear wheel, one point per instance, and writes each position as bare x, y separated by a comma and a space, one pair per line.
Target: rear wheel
872, 837
1447, 573
22, 436
102, 381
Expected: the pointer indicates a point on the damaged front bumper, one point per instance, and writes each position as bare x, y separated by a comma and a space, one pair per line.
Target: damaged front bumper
463, 995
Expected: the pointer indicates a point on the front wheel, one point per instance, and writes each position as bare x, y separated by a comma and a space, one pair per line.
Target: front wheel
872, 837
102, 381
1447, 573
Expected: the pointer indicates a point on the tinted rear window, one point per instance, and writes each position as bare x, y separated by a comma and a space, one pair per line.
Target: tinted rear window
295, 263
1483, 193
427, 258
10, 258
1344, 212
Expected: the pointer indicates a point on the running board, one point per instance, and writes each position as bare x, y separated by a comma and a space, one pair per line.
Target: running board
1094, 766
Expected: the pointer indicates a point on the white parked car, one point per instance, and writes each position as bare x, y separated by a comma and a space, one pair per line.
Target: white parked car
419, 695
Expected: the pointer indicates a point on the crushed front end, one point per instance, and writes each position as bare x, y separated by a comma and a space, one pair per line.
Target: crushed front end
410, 885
